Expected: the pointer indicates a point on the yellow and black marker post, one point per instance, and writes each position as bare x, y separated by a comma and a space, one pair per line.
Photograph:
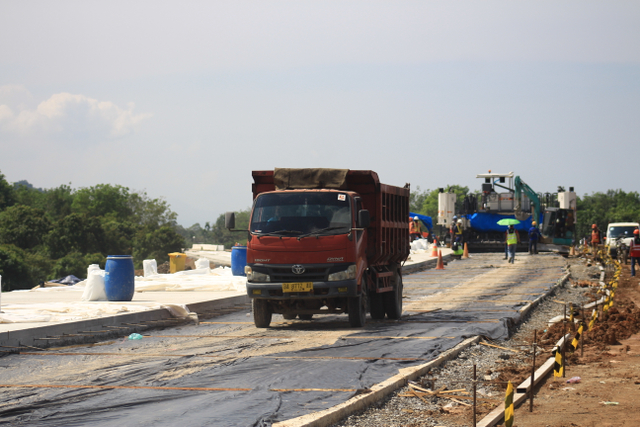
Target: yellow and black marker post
508, 405
576, 339
558, 366
594, 316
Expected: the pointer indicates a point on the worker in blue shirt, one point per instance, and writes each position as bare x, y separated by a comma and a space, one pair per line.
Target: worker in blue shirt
534, 236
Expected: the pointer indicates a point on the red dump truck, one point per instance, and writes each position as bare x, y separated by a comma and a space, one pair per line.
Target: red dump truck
325, 241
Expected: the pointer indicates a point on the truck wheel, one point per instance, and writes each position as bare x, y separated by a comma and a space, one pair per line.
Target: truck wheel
393, 299
376, 306
357, 311
305, 316
261, 313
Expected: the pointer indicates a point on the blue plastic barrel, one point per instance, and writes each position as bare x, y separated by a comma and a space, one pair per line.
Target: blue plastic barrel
119, 283
238, 260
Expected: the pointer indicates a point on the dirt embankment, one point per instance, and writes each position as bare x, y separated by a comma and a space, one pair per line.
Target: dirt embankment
608, 392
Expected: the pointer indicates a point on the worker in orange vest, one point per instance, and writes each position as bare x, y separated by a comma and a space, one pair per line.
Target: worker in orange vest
595, 237
414, 229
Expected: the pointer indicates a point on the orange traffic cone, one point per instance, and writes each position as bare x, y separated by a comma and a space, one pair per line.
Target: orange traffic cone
434, 252
440, 265
465, 253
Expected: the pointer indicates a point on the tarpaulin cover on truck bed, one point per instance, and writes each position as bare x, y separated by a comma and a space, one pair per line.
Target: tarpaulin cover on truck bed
288, 178
170, 378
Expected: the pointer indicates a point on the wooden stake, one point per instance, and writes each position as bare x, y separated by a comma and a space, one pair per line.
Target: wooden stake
474, 394
533, 371
564, 342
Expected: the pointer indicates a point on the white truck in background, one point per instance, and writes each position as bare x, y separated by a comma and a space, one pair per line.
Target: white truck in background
619, 236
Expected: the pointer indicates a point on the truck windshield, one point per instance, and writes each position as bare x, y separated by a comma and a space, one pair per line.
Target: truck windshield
301, 213
615, 232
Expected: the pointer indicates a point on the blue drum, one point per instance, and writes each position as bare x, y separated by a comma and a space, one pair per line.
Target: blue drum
119, 282
238, 260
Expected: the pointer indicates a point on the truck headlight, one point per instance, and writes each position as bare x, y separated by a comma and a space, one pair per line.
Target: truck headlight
256, 276
348, 274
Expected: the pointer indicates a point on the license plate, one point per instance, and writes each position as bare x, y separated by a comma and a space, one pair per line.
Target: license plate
297, 287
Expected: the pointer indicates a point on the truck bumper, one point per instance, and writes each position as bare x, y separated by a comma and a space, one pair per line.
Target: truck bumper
321, 290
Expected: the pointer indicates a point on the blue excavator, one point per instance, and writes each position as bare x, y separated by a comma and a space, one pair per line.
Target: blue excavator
508, 196
558, 223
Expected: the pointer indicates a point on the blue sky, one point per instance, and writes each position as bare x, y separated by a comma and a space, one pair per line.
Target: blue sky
183, 101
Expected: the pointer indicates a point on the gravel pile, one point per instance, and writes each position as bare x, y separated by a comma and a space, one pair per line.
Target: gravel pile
493, 366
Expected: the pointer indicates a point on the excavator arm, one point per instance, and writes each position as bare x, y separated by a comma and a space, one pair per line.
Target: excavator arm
521, 187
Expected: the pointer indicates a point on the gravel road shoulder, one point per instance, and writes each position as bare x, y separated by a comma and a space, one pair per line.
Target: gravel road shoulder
499, 362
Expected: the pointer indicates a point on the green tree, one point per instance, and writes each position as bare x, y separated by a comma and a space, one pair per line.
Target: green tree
13, 268
416, 200
429, 200
603, 208
197, 234
156, 243
118, 236
75, 263
26, 194
148, 211
222, 236
76, 233
7, 193
57, 202
103, 200
23, 226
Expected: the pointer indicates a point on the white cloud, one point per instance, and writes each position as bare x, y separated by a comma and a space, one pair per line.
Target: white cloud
66, 114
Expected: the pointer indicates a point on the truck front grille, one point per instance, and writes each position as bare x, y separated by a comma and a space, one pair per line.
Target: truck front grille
311, 274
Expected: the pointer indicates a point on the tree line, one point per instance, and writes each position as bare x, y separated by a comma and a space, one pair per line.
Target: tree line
596, 208
51, 233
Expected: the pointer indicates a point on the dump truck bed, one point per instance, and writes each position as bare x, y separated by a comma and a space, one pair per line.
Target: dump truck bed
388, 205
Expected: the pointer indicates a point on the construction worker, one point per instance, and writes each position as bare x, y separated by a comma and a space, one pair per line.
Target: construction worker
534, 236
457, 232
595, 238
634, 251
414, 229
512, 238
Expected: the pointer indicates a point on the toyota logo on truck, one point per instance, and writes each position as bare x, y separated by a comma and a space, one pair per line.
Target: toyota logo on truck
297, 269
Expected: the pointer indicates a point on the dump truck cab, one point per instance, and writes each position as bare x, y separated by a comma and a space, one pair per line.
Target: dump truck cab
316, 245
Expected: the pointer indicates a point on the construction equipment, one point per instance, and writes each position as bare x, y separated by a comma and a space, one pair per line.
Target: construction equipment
325, 241
558, 223
505, 195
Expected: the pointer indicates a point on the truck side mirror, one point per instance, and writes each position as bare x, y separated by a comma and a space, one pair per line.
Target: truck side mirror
230, 220
363, 218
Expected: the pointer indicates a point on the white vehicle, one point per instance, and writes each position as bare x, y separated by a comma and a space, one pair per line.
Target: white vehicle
619, 233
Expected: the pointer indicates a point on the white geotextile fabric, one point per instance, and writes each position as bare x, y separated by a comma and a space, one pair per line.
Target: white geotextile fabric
71, 311
421, 246
203, 280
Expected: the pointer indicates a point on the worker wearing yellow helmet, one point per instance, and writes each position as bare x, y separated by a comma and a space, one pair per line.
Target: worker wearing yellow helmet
534, 237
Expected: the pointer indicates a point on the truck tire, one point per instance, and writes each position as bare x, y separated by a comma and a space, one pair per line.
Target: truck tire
393, 299
376, 306
357, 311
261, 313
